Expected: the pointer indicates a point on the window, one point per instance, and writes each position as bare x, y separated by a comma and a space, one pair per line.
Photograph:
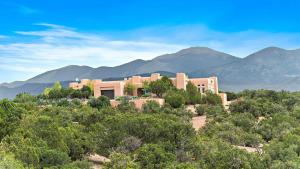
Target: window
199, 88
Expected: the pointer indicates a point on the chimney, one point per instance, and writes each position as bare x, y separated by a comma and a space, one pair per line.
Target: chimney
181, 81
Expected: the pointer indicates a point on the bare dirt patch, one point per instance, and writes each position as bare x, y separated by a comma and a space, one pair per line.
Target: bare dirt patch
251, 149
97, 160
198, 122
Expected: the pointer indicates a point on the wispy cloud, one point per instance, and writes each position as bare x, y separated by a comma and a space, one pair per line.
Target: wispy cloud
55, 46
22, 68
25, 10
239, 44
55, 31
58, 46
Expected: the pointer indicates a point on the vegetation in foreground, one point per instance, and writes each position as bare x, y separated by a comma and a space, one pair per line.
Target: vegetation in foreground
59, 130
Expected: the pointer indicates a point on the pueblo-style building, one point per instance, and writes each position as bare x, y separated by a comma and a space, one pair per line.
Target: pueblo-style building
114, 89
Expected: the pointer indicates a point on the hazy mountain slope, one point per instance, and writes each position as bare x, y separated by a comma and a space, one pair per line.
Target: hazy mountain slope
188, 60
271, 68
118, 71
12, 84
33, 88
70, 73
67, 73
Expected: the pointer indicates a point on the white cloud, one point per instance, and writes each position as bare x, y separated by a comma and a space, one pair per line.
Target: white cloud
52, 25
20, 68
3, 37
59, 46
54, 31
238, 44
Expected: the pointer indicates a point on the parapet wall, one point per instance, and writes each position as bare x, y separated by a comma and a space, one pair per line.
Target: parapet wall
138, 103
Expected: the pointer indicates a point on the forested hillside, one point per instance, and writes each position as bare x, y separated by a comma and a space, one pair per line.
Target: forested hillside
61, 128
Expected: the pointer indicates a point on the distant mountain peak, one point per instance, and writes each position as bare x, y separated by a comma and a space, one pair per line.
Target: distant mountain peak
137, 61
194, 53
268, 53
272, 49
75, 66
197, 50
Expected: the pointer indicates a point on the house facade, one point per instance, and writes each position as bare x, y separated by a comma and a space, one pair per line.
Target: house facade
114, 89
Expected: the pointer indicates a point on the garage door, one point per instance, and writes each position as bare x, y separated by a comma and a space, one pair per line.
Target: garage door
108, 93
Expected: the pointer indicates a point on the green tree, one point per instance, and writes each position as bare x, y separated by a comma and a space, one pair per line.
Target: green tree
193, 95
126, 106
46, 91
25, 98
175, 98
129, 89
201, 109
97, 136
231, 96
91, 86
153, 156
161, 86
57, 86
212, 99
7, 161
256, 107
129, 144
213, 153
84, 93
120, 161
50, 158
56, 92
83, 164
10, 117
151, 107
76, 137
182, 166
100, 102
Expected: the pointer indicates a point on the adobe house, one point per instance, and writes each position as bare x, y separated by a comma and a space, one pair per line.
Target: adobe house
114, 89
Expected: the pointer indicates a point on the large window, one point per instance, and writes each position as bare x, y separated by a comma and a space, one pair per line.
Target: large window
201, 88
108, 93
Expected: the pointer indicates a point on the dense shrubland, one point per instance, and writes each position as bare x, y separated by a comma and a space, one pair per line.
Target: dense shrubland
58, 130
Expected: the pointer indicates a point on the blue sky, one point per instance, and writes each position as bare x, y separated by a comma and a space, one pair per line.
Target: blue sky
36, 36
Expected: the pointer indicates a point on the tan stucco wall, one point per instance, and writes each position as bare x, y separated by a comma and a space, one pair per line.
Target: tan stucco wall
117, 86
85, 82
200, 82
216, 87
210, 83
224, 98
155, 76
75, 85
139, 102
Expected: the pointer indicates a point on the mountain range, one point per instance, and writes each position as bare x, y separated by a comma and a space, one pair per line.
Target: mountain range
270, 68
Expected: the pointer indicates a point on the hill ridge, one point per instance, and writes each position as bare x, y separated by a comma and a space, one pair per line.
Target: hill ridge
271, 67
